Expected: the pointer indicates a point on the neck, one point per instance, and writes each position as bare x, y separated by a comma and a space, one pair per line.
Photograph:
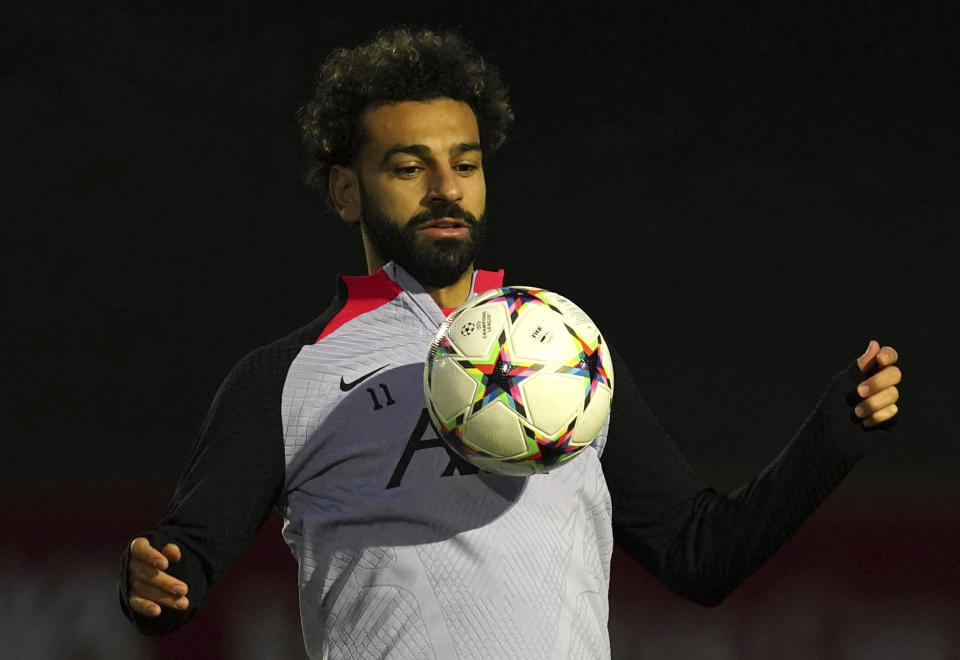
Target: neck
455, 294
446, 296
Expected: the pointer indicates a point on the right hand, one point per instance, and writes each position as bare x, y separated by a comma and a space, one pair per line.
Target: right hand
150, 587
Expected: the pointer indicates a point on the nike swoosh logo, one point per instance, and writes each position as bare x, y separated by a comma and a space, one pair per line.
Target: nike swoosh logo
346, 387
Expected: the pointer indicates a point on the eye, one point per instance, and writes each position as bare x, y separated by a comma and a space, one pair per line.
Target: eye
465, 168
407, 171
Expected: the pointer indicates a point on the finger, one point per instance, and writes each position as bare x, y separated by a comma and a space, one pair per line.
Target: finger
147, 574
866, 361
887, 356
143, 606
879, 381
881, 416
171, 551
877, 402
158, 596
141, 549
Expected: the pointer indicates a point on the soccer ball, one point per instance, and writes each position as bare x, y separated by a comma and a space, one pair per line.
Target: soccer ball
518, 381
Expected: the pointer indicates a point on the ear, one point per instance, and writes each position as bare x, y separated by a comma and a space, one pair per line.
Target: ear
344, 187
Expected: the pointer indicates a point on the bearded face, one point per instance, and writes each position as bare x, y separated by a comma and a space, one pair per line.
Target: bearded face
420, 246
417, 188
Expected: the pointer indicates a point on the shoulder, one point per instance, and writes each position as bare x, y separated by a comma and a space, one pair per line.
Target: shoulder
265, 368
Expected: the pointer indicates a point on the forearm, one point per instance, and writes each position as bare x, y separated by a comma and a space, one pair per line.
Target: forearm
705, 545
211, 520
234, 476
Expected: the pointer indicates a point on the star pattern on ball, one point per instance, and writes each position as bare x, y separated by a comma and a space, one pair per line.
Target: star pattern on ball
550, 452
519, 338
588, 364
499, 377
517, 298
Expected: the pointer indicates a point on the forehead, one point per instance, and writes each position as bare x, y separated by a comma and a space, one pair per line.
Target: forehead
436, 123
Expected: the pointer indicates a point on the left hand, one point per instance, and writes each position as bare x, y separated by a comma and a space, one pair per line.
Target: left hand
878, 392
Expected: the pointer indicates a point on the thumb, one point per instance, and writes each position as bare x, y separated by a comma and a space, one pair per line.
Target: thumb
868, 360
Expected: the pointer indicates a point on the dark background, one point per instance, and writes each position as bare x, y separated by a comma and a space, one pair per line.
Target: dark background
740, 197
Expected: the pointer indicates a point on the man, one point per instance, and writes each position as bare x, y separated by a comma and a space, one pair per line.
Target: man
404, 551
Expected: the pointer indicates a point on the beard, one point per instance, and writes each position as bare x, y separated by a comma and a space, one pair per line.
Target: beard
432, 262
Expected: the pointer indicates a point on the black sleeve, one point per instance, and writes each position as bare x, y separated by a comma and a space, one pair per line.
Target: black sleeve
234, 475
701, 543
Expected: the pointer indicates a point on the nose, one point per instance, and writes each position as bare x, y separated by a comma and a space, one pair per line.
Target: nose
444, 186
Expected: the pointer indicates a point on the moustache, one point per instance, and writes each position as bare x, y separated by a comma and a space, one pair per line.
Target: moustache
440, 211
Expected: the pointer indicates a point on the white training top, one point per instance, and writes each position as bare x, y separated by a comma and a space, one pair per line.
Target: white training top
404, 550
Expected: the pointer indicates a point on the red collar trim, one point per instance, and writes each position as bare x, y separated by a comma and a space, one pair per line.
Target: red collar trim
364, 294
367, 292
487, 279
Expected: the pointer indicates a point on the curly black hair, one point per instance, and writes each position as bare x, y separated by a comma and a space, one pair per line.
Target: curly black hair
398, 65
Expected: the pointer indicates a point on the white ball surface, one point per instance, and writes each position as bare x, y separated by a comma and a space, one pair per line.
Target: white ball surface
518, 380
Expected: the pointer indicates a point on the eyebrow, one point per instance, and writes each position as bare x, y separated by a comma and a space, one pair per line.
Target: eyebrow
423, 151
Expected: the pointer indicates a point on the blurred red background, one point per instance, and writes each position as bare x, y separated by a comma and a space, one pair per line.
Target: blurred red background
864, 578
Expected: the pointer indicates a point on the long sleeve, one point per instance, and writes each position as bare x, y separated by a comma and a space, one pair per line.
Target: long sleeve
234, 475
702, 543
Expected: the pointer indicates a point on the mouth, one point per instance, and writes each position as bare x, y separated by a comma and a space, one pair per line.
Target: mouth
446, 228
445, 223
